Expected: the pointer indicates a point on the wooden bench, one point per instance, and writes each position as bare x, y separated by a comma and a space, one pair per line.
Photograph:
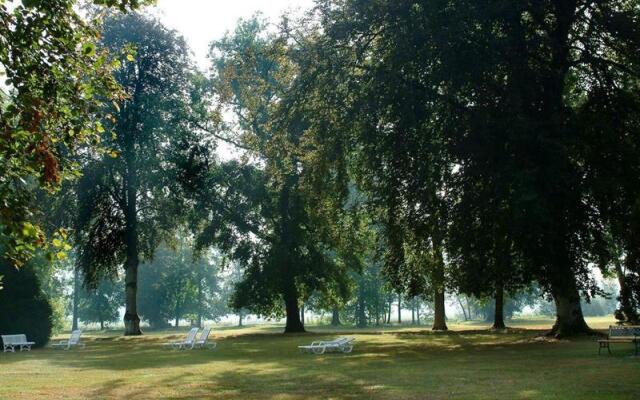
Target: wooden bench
621, 334
10, 342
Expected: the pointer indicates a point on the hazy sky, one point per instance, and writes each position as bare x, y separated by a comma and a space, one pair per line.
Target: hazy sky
201, 21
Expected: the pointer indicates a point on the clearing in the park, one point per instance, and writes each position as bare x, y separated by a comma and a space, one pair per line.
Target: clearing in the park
469, 362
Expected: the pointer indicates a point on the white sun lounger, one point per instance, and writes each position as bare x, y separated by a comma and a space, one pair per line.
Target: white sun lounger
188, 343
341, 344
10, 342
74, 341
203, 341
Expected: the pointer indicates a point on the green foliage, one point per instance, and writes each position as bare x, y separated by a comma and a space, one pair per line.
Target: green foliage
175, 285
283, 242
25, 308
126, 198
101, 305
57, 85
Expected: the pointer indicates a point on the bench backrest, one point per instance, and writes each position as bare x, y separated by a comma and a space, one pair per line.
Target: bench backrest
14, 339
191, 336
341, 340
204, 335
622, 332
75, 337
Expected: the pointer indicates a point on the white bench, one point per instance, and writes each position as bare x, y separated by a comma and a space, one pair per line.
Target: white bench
341, 344
10, 342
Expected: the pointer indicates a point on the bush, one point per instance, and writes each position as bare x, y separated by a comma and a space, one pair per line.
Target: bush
23, 306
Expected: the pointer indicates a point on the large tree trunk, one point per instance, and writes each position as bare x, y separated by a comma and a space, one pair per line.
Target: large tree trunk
439, 316
498, 318
240, 315
569, 318
76, 298
399, 308
335, 317
390, 301
293, 324
302, 314
131, 318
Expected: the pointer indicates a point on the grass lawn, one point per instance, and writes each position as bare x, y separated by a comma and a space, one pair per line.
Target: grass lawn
400, 363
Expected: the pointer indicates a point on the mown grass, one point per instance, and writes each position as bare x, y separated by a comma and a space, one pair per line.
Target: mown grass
390, 363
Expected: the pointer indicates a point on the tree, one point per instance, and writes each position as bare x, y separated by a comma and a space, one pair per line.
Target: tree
101, 305
57, 85
128, 198
177, 284
485, 95
25, 308
283, 243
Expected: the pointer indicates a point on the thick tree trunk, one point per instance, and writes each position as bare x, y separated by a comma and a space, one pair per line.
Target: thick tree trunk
302, 314
294, 324
439, 316
335, 317
240, 315
569, 318
498, 318
131, 318
101, 325
76, 298
399, 308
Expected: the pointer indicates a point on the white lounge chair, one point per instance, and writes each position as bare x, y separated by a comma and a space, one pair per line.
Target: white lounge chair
203, 341
188, 343
341, 344
10, 342
73, 341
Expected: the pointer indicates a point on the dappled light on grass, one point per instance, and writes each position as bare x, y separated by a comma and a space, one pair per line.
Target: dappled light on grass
400, 365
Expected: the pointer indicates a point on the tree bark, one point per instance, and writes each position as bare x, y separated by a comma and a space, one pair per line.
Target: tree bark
302, 314
439, 316
240, 315
293, 323
131, 318
498, 318
464, 310
361, 318
399, 308
76, 298
569, 318
335, 317
627, 306
413, 311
